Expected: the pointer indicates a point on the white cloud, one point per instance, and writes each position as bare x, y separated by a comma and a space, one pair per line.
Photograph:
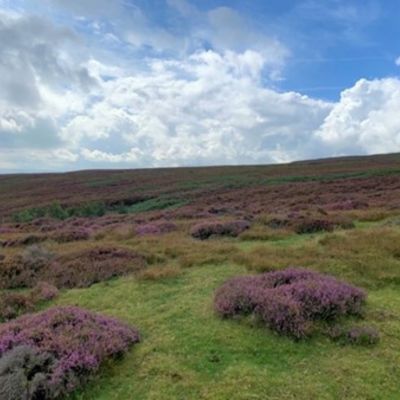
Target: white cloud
398, 61
365, 120
61, 108
208, 109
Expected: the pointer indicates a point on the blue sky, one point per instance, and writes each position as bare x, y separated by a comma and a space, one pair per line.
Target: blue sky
135, 83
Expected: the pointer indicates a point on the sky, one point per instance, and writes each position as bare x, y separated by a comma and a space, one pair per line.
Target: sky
93, 84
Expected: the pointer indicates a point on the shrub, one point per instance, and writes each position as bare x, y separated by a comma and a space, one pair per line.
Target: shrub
44, 291
237, 296
24, 374
156, 228
75, 269
314, 225
25, 270
288, 301
26, 240
356, 335
205, 230
282, 314
362, 335
71, 235
14, 304
69, 345
84, 268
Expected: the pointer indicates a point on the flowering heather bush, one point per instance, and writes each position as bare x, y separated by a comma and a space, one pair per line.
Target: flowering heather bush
237, 296
289, 301
156, 228
283, 314
205, 230
77, 341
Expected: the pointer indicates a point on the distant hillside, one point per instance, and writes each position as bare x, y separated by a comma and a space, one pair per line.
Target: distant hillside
167, 187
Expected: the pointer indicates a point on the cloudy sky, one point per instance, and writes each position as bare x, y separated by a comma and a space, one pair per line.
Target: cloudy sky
149, 83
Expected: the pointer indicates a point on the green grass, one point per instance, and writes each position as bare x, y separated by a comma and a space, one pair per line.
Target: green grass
188, 353
159, 203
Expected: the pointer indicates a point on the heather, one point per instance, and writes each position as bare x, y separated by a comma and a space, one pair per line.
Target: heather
16, 303
289, 301
150, 271
78, 341
205, 230
75, 269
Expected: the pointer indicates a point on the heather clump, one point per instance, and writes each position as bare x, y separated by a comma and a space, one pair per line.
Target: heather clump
44, 291
290, 301
25, 269
85, 268
155, 228
354, 335
66, 344
205, 230
71, 235
25, 374
14, 304
75, 269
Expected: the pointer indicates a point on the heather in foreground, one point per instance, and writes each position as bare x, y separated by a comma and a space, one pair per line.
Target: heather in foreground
50, 354
290, 301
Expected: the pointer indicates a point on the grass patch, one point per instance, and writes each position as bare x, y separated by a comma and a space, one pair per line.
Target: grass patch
159, 203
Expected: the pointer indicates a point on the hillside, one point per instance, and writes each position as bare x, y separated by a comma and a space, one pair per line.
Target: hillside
152, 247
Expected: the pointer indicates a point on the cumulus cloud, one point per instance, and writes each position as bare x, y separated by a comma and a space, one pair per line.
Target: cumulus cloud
62, 107
209, 108
365, 120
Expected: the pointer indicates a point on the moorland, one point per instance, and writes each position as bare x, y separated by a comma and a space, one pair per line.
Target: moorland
126, 266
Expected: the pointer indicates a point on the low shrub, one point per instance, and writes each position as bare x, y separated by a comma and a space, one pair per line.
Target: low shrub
362, 335
44, 291
14, 304
289, 301
355, 335
205, 230
75, 269
237, 296
155, 228
282, 314
84, 268
26, 240
26, 269
314, 225
71, 235
25, 374
67, 344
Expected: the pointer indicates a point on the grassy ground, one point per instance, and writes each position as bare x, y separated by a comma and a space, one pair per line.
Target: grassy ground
189, 353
